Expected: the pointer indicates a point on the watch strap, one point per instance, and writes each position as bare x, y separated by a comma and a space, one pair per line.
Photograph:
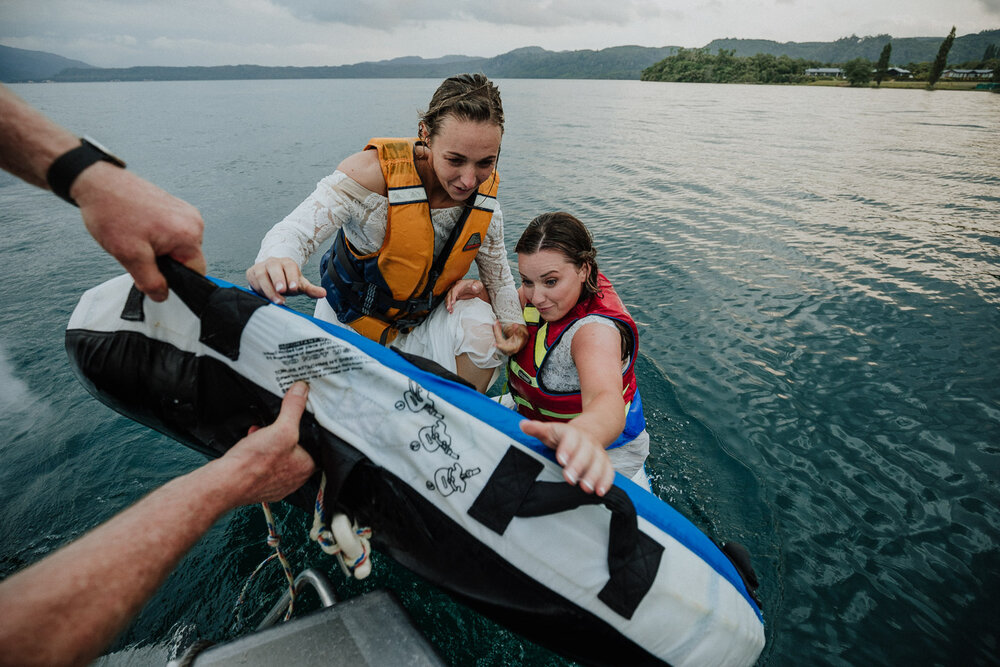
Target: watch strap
64, 170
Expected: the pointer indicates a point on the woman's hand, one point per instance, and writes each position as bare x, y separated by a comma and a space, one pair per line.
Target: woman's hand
510, 338
465, 289
277, 276
582, 457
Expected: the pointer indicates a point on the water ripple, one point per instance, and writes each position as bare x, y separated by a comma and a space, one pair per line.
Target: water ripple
815, 274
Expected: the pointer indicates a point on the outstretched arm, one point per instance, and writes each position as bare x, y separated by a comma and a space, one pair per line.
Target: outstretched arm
68, 607
580, 443
286, 248
131, 218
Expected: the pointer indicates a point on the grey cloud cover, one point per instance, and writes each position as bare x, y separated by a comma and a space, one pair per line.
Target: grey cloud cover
123, 33
389, 14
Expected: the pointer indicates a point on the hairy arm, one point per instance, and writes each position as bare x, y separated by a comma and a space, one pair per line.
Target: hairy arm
68, 607
29, 142
131, 218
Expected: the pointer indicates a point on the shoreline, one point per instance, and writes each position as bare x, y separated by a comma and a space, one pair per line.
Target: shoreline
918, 85
828, 83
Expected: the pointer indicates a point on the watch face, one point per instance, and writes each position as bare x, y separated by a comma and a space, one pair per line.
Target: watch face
109, 156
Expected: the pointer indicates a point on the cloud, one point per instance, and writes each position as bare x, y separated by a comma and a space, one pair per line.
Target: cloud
991, 6
391, 14
123, 33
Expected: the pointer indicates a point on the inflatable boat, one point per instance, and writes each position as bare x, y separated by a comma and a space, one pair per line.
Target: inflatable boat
451, 487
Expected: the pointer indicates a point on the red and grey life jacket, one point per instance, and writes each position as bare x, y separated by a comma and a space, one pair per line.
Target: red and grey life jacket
524, 369
395, 288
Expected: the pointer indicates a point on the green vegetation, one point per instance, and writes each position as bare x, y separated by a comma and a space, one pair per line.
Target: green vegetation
904, 50
881, 69
942, 59
25, 65
736, 60
858, 72
699, 66
619, 62
990, 60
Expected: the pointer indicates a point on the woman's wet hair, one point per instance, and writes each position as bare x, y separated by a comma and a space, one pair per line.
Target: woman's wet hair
466, 97
564, 233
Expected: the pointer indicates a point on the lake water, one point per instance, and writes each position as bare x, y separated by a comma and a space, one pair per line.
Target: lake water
815, 271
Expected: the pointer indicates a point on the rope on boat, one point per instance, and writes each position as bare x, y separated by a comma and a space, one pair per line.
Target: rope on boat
274, 541
350, 544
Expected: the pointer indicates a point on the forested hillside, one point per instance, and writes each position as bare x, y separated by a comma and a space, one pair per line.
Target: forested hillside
620, 62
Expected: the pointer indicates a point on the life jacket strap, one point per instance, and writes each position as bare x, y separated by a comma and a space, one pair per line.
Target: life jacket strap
373, 301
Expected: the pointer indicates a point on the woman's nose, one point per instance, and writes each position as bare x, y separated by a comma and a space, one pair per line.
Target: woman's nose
469, 179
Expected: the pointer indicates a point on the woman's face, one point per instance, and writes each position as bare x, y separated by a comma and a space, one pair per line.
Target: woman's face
551, 282
464, 154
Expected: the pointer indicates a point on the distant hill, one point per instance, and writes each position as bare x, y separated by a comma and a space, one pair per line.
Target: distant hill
619, 62
904, 50
24, 65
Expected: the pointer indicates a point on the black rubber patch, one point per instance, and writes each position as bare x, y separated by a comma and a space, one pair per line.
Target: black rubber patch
633, 557
133, 306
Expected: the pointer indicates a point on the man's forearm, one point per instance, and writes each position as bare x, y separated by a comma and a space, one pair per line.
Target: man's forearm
76, 601
29, 142
67, 608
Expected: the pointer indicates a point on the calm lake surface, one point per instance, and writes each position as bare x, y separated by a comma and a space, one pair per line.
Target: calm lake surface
815, 271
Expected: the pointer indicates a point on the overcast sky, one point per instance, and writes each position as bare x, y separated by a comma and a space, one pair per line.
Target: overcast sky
122, 33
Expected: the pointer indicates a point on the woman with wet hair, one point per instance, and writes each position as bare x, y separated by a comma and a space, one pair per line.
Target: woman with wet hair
575, 378
408, 217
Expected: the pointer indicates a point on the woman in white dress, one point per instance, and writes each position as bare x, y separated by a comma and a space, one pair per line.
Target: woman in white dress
408, 216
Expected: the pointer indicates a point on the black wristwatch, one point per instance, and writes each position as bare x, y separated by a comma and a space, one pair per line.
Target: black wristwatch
64, 170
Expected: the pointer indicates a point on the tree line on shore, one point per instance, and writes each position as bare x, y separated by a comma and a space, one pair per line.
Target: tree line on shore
769, 62
700, 66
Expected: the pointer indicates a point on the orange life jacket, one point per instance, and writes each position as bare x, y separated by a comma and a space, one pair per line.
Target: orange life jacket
395, 288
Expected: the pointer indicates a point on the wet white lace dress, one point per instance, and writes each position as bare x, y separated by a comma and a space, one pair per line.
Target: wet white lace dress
341, 202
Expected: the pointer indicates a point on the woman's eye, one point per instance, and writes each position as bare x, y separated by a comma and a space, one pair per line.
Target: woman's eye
455, 161
550, 282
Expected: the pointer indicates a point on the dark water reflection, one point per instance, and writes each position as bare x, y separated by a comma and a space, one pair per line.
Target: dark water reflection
816, 276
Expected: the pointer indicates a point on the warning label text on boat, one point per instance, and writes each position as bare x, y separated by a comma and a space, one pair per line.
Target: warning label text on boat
313, 358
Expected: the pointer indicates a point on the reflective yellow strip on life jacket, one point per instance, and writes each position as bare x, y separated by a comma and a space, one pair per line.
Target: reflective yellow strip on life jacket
557, 415
540, 345
542, 411
526, 377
